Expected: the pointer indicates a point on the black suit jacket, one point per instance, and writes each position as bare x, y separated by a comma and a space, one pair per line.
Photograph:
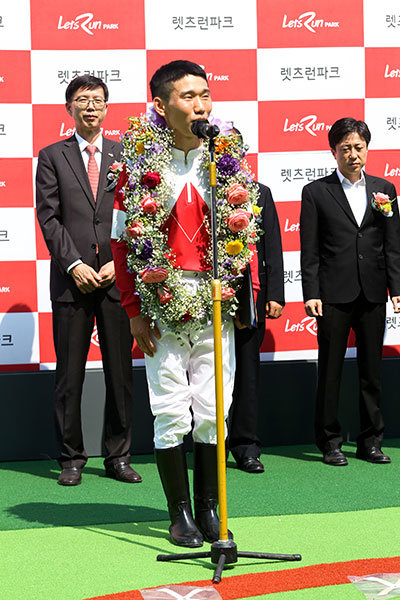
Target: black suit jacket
72, 222
339, 259
269, 252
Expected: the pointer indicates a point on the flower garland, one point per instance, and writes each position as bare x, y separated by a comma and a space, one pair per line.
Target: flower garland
164, 295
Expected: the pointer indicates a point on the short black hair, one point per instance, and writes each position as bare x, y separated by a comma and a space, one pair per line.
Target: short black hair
160, 84
347, 125
87, 82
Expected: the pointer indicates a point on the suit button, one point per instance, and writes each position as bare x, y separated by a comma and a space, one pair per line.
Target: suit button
360, 235
93, 246
360, 256
97, 221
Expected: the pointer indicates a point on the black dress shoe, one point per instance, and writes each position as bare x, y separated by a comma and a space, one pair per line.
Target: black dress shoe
123, 472
70, 476
335, 457
373, 455
250, 464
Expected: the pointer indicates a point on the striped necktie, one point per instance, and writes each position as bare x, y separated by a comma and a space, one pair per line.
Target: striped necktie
93, 170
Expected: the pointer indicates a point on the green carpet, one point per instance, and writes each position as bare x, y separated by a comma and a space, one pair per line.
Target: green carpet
102, 537
295, 482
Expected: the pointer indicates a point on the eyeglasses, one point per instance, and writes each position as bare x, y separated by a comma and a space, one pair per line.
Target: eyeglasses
84, 102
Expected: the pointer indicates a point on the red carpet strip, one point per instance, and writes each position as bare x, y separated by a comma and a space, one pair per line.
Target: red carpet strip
257, 584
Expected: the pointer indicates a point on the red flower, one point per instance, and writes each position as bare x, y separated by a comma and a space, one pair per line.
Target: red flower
149, 205
151, 179
154, 275
239, 220
164, 295
237, 194
135, 230
227, 293
186, 317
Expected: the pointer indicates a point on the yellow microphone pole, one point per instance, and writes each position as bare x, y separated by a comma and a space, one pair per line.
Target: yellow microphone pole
224, 551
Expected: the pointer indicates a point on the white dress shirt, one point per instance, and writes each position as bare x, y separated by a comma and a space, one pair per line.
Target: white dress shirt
356, 194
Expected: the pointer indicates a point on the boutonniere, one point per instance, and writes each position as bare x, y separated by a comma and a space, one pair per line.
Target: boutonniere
382, 203
113, 174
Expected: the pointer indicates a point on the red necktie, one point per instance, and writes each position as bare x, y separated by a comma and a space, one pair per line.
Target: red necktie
93, 170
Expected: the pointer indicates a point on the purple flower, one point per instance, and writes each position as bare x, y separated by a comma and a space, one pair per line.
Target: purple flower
147, 250
153, 116
131, 183
228, 165
225, 127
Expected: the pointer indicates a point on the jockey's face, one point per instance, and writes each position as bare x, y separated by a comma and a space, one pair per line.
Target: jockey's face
189, 101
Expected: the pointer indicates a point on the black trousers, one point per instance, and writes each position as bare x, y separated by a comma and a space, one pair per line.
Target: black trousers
72, 329
243, 439
368, 322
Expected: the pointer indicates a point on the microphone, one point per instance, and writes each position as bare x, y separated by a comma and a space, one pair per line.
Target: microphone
203, 130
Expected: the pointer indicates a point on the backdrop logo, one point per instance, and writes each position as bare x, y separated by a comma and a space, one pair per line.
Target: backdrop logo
391, 171
309, 21
391, 73
305, 24
86, 22
308, 324
309, 124
291, 226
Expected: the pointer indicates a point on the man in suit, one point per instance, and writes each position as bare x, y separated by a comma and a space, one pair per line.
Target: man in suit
350, 256
74, 211
243, 440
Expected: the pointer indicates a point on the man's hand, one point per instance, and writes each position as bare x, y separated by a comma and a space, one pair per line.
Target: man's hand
313, 307
273, 309
238, 323
107, 274
396, 303
142, 332
86, 278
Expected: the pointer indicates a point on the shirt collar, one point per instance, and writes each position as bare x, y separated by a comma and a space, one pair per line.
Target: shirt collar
83, 144
191, 155
345, 181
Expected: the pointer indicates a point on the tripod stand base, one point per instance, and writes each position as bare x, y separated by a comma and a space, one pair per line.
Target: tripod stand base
225, 552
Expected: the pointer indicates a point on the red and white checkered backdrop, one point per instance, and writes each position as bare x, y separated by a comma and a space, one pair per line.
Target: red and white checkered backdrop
282, 71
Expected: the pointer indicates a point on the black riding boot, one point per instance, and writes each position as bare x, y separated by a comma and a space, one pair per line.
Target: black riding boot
206, 491
172, 468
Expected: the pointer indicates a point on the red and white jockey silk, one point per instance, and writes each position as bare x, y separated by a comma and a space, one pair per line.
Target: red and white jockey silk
188, 237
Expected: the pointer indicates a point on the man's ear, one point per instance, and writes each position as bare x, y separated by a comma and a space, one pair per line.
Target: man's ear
68, 108
159, 106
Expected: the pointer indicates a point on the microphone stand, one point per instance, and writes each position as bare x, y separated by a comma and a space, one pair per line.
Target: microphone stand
224, 551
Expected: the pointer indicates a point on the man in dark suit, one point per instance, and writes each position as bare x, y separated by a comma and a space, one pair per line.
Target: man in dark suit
75, 211
243, 440
350, 256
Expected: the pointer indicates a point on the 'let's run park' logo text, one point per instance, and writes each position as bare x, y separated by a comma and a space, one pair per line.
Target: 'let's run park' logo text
308, 20
91, 26
310, 23
86, 22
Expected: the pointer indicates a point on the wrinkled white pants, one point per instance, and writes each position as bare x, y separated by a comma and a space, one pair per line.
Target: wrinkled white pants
181, 383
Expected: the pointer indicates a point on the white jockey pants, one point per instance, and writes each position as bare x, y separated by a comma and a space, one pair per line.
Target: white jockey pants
181, 383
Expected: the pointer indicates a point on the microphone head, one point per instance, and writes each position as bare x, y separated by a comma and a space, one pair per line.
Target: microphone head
202, 129
199, 128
